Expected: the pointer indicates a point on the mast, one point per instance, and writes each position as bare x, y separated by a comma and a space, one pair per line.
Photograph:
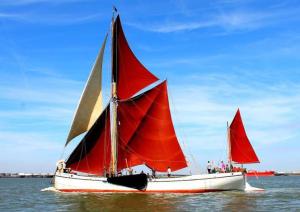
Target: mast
229, 146
114, 133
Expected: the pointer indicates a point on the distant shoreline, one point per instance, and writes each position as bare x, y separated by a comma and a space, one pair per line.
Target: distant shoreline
26, 175
287, 173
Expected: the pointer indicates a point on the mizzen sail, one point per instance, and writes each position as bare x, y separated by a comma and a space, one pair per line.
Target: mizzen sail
241, 150
90, 104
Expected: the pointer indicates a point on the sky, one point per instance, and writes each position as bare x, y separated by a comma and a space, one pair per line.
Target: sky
216, 55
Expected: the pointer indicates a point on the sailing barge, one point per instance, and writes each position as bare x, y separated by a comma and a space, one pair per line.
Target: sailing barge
134, 128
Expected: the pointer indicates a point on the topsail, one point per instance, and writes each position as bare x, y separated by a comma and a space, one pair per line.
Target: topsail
128, 72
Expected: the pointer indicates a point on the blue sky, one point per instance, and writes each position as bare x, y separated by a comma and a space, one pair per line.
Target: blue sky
217, 56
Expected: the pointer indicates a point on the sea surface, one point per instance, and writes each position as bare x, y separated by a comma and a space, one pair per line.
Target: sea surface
24, 194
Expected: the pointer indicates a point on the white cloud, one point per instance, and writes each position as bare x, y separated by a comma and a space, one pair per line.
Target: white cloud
203, 110
173, 27
29, 151
238, 20
28, 141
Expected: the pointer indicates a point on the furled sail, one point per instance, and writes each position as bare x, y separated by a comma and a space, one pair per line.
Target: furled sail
241, 150
146, 133
90, 104
92, 155
129, 74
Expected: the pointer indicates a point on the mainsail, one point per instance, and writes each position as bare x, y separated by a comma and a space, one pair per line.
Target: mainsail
241, 150
145, 132
90, 104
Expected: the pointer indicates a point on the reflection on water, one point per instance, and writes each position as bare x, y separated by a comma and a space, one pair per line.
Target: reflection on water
282, 193
110, 201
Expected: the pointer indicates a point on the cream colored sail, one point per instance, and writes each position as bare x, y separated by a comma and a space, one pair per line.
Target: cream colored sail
90, 104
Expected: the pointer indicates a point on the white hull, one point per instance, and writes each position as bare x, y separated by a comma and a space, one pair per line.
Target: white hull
187, 184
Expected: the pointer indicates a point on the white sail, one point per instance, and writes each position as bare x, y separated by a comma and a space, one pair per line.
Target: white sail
90, 104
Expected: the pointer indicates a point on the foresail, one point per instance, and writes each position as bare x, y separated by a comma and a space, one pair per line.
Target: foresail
241, 149
128, 72
90, 104
146, 133
92, 155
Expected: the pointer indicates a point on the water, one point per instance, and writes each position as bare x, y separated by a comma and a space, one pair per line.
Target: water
282, 194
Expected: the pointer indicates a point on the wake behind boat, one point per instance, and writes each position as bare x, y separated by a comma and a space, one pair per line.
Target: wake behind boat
135, 128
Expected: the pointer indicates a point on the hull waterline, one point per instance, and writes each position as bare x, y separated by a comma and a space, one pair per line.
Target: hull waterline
188, 184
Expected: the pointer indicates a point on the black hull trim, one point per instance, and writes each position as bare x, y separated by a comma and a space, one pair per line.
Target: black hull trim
137, 181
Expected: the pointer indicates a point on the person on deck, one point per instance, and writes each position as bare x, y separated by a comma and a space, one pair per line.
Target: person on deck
213, 171
169, 171
222, 167
227, 168
208, 167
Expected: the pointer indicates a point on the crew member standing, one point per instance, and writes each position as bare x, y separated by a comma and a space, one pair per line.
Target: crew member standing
223, 167
169, 171
208, 167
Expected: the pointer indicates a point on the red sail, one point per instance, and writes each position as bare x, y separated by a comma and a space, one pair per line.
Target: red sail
241, 149
93, 153
129, 74
146, 134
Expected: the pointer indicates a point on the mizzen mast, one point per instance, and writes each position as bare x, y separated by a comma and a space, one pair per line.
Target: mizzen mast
229, 145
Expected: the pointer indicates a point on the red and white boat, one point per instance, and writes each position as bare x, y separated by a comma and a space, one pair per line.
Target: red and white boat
254, 173
134, 128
